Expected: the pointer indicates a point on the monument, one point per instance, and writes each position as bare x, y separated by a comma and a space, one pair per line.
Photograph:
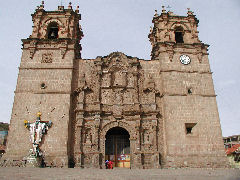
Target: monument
37, 130
156, 113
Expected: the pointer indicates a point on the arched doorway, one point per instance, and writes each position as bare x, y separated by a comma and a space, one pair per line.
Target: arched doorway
117, 147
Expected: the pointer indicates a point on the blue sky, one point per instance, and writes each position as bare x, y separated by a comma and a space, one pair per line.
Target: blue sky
123, 25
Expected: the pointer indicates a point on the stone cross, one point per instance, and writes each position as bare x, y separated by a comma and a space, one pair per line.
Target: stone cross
37, 130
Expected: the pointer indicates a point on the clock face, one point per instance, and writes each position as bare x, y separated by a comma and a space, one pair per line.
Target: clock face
185, 59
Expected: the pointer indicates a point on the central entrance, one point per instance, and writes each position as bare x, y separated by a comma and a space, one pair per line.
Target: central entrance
117, 147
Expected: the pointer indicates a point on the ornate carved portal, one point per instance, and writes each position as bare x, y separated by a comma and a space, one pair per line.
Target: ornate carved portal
116, 104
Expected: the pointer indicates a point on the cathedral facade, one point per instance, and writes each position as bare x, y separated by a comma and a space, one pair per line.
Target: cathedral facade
156, 113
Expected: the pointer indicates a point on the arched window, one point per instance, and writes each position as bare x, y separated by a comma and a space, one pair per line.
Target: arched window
52, 31
179, 34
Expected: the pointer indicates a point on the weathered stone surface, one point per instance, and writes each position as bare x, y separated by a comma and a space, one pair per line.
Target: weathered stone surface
156, 101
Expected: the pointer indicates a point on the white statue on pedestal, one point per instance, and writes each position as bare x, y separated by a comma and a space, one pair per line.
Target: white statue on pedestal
37, 129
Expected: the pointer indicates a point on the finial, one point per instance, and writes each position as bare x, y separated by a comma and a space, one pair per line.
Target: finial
156, 14
42, 5
70, 5
163, 9
190, 13
77, 9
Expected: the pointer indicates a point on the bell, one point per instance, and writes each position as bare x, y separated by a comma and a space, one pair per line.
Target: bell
52, 35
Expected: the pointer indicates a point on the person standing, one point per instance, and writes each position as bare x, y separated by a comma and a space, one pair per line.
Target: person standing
106, 164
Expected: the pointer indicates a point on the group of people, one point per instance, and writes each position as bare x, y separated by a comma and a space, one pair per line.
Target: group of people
109, 164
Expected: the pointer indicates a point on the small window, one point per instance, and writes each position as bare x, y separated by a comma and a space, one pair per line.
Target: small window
189, 90
179, 34
52, 30
189, 130
189, 127
43, 86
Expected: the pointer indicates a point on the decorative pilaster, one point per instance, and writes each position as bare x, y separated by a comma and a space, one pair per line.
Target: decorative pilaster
78, 139
169, 49
32, 48
199, 53
64, 48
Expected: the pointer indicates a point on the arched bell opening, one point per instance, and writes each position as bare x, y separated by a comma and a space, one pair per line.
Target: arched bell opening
179, 32
52, 31
117, 147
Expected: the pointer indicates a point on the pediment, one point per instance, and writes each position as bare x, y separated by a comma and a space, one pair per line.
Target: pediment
118, 61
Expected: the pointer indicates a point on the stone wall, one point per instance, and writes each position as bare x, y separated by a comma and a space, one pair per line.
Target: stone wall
44, 85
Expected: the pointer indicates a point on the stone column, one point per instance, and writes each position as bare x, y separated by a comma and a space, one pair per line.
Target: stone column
78, 139
155, 157
132, 153
97, 159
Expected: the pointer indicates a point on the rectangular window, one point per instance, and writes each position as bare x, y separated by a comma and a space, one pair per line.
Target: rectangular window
189, 127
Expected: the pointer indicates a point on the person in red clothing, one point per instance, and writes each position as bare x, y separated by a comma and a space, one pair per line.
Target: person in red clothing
110, 164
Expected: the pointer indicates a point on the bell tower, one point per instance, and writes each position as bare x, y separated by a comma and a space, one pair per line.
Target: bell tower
191, 125
171, 32
45, 83
56, 27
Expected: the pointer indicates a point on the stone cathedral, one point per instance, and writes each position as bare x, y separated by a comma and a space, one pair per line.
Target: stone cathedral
138, 113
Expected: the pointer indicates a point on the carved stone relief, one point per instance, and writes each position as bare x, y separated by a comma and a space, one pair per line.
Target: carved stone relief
32, 48
119, 78
88, 136
118, 96
47, 58
107, 96
170, 51
89, 96
106, 80
128, 96
131, 80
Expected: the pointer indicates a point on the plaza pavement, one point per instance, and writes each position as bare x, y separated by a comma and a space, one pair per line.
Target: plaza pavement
118, 174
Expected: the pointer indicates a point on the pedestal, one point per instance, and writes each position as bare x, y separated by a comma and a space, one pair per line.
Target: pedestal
33, 161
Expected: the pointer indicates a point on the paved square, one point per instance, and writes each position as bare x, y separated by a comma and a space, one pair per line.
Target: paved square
118, 174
